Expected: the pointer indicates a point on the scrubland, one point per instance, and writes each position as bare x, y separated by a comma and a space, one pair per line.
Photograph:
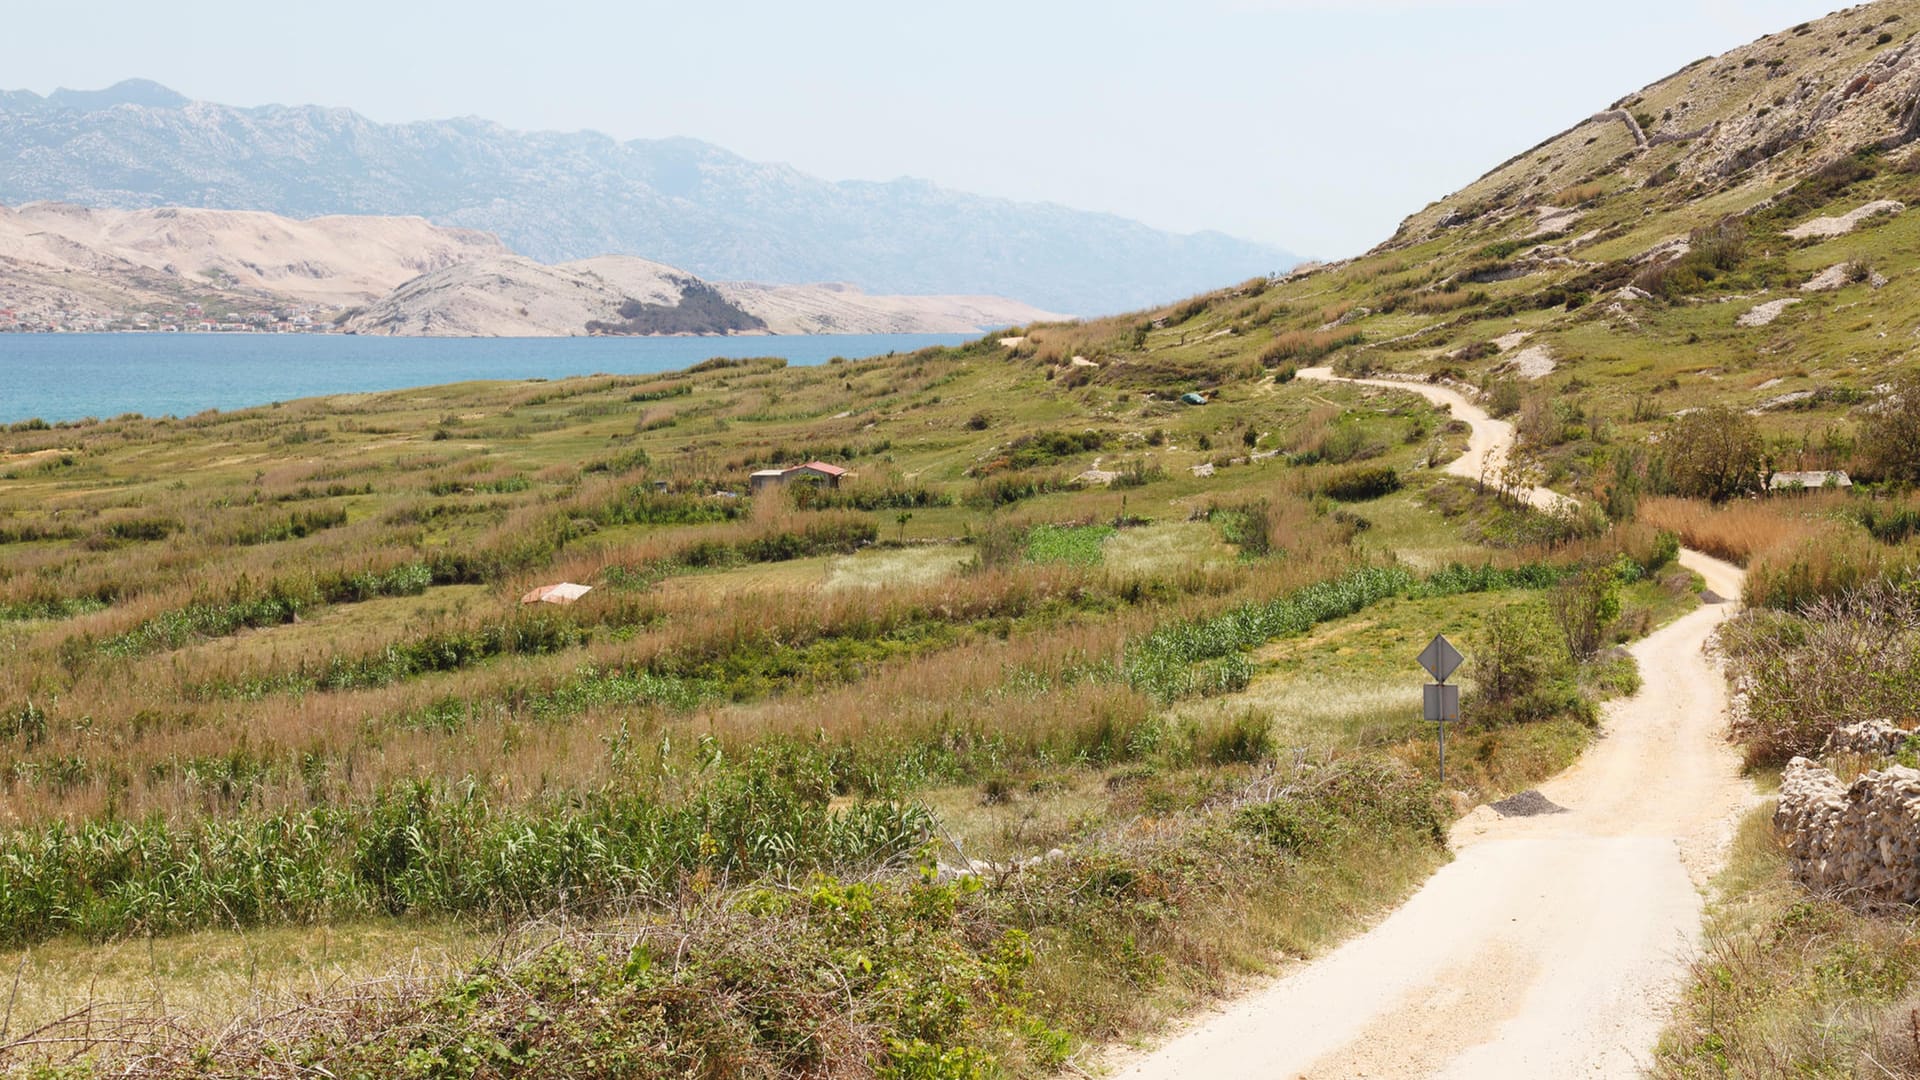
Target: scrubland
1026, 737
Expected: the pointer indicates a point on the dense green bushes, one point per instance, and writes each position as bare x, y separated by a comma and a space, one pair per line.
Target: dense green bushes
817, 535
640, 505
1521, 671
1204, 656
1045, 448
280, 602
424, 849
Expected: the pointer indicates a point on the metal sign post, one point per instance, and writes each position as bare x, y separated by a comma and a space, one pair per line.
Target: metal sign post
1441, 702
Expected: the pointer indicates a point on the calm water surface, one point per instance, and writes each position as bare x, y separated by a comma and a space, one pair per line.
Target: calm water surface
69, 376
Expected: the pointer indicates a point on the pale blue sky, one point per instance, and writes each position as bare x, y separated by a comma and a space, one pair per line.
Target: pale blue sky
1314, 124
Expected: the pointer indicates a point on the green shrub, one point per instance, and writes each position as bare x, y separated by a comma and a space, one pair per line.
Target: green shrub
1890, 434
1585, 607
1362, 483
1248, 526
1521, 671
1243, 739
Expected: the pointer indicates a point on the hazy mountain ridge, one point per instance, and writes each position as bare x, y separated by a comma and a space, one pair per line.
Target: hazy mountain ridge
559, 196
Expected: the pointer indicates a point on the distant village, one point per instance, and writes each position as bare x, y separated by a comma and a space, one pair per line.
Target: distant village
189, 318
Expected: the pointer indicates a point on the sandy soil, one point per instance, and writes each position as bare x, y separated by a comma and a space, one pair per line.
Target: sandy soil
1552, 946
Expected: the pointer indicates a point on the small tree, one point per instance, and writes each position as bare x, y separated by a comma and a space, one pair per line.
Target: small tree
1585, 606
1521, 671
1890, 438
999, 545
1713, 453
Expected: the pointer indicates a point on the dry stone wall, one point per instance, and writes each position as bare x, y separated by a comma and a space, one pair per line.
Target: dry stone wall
1859, 841
1876, 737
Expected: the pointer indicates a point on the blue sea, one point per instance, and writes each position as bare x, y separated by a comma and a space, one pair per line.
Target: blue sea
70, 376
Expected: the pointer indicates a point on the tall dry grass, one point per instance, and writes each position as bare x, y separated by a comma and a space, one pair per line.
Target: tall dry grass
1796, 549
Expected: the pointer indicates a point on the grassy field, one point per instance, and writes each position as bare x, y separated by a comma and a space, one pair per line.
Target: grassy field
275, 722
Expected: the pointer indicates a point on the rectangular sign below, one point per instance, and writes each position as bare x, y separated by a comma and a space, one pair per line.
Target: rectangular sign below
1442, 702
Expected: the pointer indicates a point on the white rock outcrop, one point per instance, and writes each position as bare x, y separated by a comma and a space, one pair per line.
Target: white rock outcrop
1764, 314
1824, 227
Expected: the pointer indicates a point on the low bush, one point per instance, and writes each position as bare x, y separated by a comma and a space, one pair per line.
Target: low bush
1360, 484
1584, 607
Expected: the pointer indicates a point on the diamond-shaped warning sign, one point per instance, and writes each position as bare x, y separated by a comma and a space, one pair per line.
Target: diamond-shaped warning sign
1440, 658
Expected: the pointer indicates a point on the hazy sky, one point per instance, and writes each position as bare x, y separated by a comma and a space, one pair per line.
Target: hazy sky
1314, 124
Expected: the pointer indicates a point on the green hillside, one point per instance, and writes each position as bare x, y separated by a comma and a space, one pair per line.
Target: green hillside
1623, 271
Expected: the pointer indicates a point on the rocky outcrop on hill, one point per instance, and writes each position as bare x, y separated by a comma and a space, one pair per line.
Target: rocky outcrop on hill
1749, 121
406, 276
511, 296
57, 255
1859, 841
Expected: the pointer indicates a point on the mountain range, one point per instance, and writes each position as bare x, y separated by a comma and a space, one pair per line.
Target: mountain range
556, 196
65, 266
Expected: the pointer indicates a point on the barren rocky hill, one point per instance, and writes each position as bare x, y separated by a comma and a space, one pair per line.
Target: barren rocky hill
328, 260
401, 276
512, 296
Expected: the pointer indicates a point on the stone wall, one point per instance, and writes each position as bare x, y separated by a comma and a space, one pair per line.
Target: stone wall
1875, 737
1860, 842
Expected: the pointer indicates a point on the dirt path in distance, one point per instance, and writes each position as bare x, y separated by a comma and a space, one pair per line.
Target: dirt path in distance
1553, 945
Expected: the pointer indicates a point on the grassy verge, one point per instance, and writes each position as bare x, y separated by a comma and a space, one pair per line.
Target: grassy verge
1791, 985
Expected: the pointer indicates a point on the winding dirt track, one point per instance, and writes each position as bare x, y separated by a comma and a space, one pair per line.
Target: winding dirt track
1551, 946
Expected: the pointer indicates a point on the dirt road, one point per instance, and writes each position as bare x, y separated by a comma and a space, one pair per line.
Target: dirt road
1552, 946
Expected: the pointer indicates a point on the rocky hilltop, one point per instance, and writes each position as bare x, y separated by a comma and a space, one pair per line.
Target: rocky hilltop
1736, 234
562, 196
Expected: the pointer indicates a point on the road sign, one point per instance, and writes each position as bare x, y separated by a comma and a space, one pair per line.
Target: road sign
1442, 702
1440, 658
